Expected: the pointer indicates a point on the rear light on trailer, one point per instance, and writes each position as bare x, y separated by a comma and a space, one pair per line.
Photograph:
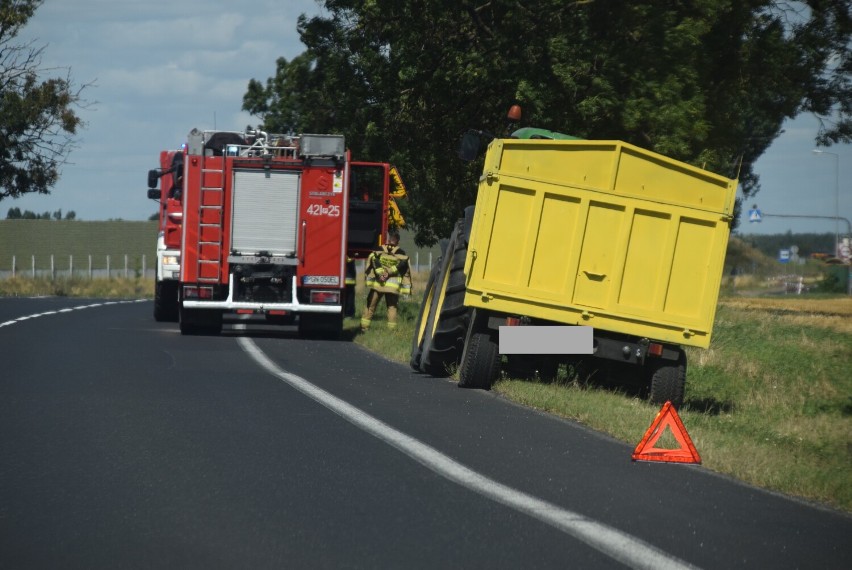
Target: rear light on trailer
276, 312
325, 297
245, 311
513, 321
655, 349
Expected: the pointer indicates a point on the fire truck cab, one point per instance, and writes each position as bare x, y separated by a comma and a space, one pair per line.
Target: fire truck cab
269, 224
165, 185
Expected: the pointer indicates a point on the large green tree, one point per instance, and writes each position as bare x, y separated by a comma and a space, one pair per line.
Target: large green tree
709, 82
37, 116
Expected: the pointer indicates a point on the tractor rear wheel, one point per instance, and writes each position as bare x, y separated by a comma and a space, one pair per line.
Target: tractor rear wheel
423, 318
448, 317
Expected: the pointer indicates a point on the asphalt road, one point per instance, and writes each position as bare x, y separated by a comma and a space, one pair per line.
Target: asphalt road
126, 445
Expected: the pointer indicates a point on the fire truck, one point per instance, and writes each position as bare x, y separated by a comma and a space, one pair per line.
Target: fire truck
169, 179
270, 225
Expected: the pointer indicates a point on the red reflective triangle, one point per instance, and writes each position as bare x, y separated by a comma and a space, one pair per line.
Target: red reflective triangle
666, 418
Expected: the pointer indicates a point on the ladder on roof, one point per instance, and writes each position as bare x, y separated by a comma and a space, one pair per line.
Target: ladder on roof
210, 212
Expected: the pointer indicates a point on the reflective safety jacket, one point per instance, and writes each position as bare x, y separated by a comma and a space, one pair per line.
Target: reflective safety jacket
387, 271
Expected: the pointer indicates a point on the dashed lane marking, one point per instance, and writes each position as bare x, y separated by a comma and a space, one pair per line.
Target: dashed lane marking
67, 310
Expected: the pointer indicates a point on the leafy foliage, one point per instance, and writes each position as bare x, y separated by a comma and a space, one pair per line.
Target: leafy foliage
37, 116
709, 82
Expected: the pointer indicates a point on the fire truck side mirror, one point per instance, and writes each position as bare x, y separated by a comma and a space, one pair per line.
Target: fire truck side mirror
153, 194
153, 177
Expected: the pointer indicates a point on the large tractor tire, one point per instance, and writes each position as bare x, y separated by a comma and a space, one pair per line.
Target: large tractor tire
480, 363
166, 301
423, 317
668, 380
448, 318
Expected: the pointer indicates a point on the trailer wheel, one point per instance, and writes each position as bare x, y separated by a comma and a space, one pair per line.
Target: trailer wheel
166, 301
422, 318
448, 320
480, 364
668, 380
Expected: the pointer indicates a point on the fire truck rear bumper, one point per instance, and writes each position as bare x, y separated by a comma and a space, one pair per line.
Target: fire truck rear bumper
230, 305
243, 305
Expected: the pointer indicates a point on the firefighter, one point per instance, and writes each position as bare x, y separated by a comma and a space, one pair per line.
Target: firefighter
387, 275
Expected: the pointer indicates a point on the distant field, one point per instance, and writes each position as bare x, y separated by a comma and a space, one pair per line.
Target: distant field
62, 239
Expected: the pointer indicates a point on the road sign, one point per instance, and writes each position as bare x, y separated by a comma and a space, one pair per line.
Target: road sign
784, 256
754, 215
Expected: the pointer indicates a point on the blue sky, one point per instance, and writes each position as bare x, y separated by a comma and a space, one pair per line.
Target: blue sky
162, 68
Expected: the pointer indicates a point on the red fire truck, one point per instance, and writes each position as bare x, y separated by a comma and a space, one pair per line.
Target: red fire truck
169, 179
269, 224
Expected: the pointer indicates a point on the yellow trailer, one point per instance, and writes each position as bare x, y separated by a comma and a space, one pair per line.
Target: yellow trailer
599, 233
593, 249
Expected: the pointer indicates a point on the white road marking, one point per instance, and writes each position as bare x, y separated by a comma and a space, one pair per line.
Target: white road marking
67, 310
627, 549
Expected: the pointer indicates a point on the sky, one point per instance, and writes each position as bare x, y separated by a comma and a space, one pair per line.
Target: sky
159, 69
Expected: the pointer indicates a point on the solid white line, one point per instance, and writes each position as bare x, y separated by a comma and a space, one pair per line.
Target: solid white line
616, 544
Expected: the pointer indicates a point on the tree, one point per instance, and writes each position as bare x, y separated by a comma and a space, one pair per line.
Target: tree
37, 116
706, 82
14, 214
70, 215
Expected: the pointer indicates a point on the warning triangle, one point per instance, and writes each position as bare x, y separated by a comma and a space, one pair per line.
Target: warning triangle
666, 418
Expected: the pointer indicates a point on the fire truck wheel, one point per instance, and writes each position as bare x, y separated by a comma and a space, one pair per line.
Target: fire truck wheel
422, 318
448, 320
480, 363
166, 301
329, 326
668, 380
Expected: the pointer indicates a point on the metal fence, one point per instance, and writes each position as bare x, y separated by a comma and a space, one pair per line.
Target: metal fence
91, 267
127, 266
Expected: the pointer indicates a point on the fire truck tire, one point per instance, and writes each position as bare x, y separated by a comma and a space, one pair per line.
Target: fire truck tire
422, 318
449, 318
166, 301
668, 380
480, 363
199, 322
328, 326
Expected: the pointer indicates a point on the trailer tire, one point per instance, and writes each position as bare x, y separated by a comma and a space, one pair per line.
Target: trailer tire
423, 318
448, 319
668, 380
480, 363
166, 301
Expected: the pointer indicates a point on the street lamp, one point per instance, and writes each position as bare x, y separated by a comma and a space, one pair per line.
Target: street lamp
836, 198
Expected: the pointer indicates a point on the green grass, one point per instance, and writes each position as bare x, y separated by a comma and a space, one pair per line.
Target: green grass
769, 403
